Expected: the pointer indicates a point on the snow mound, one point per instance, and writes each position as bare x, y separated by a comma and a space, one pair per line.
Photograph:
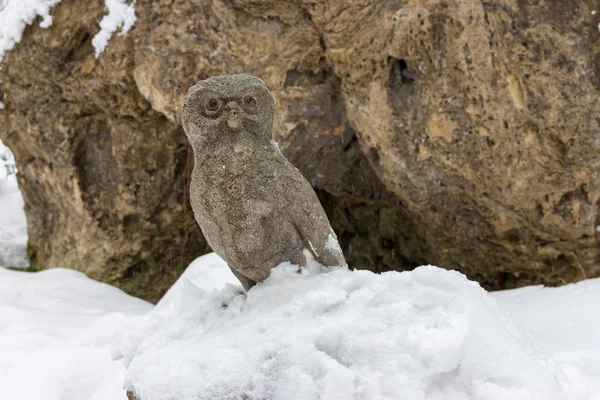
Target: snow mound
16, 14
338, 334
208, 272
55, 330
120, 14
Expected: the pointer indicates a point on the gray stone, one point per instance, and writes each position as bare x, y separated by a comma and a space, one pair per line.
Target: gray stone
255, 209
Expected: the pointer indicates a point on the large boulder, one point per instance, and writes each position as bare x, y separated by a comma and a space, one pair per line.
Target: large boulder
462, 134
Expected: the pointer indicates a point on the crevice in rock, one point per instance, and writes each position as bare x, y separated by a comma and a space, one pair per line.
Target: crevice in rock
399, 72
294, 77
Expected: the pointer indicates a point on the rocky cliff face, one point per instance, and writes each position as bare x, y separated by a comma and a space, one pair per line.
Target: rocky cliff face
462, 134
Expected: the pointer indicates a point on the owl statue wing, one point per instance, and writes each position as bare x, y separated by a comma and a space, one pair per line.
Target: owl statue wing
310, 220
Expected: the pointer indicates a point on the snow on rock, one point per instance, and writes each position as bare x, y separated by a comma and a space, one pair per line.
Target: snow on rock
13, 225
7, 162
16, 14
120, 14
338, 334
55, 329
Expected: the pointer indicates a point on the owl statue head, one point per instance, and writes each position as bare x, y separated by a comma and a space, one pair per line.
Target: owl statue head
223, 106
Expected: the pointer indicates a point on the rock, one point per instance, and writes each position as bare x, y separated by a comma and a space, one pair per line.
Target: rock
102, 173
462, 134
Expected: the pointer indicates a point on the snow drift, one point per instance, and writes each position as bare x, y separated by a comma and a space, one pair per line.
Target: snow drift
435, 335
55, 327
338, 334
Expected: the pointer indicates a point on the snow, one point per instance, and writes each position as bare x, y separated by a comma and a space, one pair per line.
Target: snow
340, 334
332, 244
565, 321
120, 14
208, 273
7, 162
55, 329
324, 333
13, 225
275, 145
16, 14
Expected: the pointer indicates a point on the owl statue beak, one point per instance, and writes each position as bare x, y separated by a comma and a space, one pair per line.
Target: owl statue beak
234, 121
234, 117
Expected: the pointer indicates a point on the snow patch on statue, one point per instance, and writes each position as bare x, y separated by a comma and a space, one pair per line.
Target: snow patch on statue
332, 244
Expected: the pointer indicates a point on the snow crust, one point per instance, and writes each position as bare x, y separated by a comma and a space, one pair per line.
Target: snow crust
55, 330
120, 14
339, 334
16, 14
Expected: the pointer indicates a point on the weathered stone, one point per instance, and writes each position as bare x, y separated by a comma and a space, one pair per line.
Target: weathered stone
101, 172
464, 134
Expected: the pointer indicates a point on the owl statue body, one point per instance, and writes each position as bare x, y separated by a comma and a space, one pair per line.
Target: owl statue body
256, 210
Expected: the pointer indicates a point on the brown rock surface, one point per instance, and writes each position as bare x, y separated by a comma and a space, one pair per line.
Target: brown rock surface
462, 134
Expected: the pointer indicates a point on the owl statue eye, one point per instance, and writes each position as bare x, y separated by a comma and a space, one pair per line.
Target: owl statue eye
212, 105
250, 104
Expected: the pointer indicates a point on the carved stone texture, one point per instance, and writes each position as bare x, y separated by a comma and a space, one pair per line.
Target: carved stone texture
462, 134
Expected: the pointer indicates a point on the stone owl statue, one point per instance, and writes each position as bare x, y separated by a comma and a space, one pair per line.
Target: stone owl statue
255, 208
